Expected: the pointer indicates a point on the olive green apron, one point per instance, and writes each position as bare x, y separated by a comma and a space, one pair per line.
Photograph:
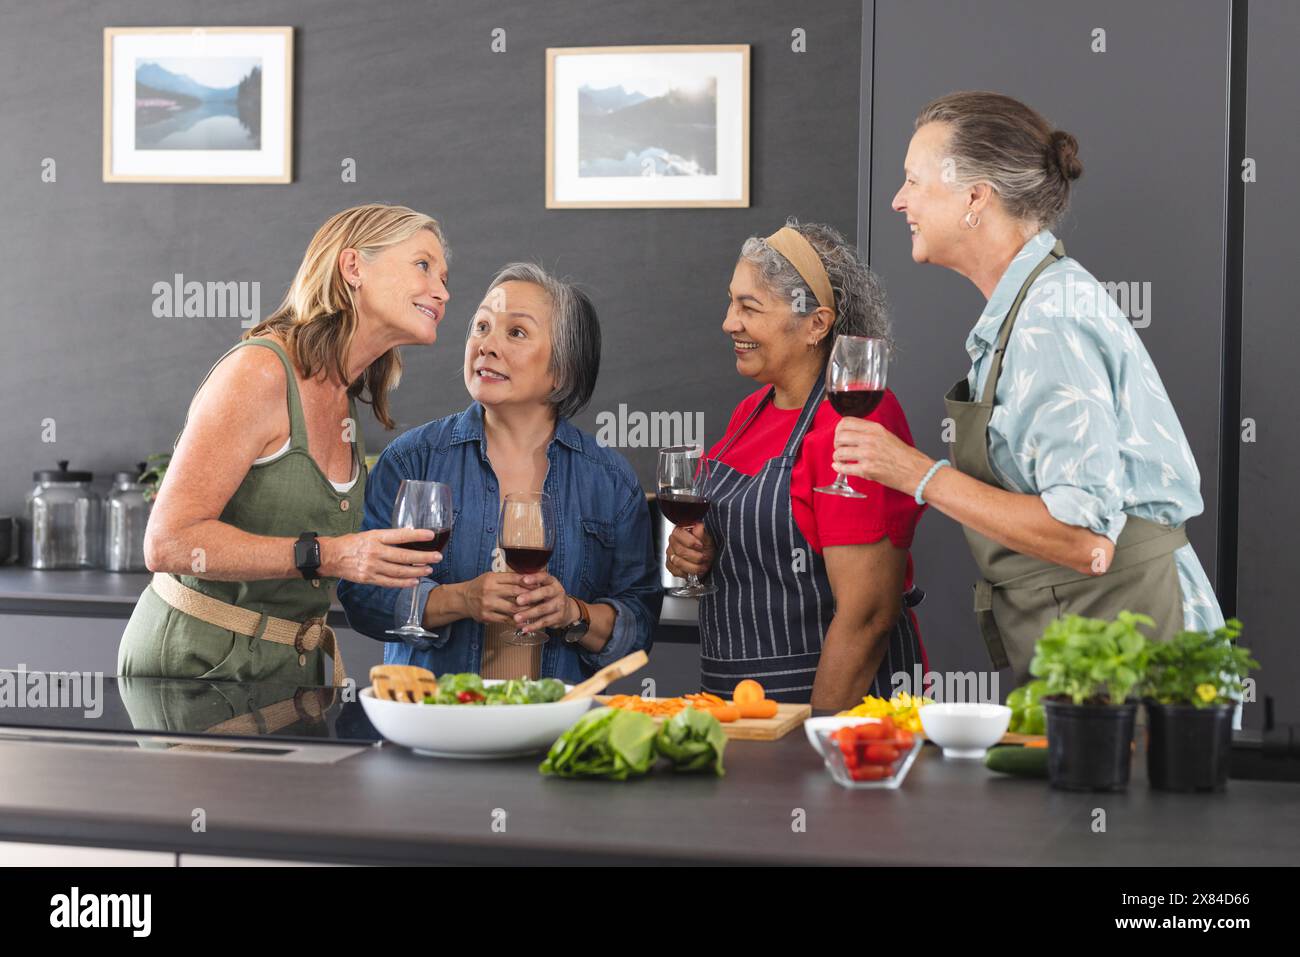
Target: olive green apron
282, 498
1018, 595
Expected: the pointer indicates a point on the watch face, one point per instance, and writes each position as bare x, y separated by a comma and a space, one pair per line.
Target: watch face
307, 554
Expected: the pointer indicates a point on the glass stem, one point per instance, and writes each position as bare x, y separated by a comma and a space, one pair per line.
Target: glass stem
412, 619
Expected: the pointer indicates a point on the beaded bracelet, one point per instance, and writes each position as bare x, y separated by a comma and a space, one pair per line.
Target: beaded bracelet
928, 475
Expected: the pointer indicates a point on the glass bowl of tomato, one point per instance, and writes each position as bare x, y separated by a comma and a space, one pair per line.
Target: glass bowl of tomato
866, 752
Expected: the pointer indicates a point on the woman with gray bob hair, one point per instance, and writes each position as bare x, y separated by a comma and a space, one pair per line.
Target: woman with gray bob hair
532, 355
575, 336
835, 620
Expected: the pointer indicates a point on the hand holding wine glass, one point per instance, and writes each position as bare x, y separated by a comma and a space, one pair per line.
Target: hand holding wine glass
684, 501
855, 385
422, 505
526, 537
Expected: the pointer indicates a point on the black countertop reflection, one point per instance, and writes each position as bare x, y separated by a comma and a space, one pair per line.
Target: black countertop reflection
175, 706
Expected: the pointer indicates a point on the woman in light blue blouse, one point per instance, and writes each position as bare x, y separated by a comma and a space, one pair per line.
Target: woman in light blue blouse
1070, 472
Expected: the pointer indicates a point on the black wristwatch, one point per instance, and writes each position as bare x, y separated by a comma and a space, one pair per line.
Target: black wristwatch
572, 632
306, 555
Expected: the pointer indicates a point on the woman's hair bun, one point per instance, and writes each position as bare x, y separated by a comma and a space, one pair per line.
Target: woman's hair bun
1063, 153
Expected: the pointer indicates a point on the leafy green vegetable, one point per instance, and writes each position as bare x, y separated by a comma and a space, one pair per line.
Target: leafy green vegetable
605, 743
468, 688
1199, 668
1091, 659
1026, 706
693, 741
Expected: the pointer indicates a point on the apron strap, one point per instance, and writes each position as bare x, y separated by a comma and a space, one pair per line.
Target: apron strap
810, 407
804, 422
1056, 253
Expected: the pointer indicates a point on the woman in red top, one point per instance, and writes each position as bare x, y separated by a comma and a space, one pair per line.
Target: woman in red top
814, 592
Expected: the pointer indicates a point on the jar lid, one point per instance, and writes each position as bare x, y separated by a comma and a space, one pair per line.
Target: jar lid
62, 474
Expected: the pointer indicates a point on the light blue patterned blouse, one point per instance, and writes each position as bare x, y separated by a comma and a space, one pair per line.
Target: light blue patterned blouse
1081, 417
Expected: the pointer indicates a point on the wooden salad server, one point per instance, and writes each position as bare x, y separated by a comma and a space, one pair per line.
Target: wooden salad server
602, 678
402, 683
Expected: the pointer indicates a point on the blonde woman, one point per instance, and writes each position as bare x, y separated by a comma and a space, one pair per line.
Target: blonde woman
261, 508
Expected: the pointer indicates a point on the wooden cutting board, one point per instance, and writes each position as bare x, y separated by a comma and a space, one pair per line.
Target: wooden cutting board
788, 717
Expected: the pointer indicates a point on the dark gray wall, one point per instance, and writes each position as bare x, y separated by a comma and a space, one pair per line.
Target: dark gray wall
435, 120
1270, 393
1150, 115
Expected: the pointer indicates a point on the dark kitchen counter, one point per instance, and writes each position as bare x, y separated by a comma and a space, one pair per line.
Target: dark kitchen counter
388, 805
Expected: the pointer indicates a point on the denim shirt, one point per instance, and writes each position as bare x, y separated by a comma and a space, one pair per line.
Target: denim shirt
603, 548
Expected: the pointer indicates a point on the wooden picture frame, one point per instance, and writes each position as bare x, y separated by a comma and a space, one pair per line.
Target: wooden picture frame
212, 135
596, 160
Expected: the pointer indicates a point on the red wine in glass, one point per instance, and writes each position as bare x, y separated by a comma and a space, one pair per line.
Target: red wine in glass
855, 384
526, 561
526, 538
425, 505
435, 544
682, 508
683, 477
858, 402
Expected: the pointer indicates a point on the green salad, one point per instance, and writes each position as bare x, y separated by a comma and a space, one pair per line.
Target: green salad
468, 688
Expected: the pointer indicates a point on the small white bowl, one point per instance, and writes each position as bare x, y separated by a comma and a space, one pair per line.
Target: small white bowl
472, 731
964, 730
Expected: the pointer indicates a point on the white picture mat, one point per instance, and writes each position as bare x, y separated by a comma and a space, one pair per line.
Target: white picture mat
265, 162
572, 70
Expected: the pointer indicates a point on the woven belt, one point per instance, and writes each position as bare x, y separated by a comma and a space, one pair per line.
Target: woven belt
303, 637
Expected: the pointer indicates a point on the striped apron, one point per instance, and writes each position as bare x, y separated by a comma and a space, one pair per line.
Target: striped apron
774, 602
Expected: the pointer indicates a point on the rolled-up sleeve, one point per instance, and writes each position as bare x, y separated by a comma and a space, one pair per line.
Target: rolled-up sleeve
635, 593
373, 609
1056, 413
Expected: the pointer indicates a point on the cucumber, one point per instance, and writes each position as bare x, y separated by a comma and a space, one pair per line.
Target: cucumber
1020, 761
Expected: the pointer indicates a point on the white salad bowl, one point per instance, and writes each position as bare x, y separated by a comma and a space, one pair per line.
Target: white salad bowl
472, 730
964, 729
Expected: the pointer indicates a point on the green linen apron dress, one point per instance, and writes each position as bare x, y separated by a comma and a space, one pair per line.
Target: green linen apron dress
282, 498
1018, 595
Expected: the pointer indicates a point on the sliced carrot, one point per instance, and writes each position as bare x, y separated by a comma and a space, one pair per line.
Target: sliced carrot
765, 708
725, 713
748, 691
1040, 743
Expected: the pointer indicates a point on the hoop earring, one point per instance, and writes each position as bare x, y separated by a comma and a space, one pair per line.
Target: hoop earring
969, 214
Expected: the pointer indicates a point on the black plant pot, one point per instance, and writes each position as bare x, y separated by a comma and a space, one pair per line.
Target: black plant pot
1188, 747
1089, 746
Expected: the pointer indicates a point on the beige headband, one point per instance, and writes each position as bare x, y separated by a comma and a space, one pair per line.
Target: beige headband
791, 244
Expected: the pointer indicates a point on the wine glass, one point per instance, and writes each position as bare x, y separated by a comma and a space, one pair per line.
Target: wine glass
684, 500
421, 504
855, 384
527, 538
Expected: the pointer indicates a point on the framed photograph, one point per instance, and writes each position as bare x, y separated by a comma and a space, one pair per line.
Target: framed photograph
647, 126
198, 105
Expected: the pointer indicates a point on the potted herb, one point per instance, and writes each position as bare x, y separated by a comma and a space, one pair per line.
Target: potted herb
1091, 667
151, 473
1193, 683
